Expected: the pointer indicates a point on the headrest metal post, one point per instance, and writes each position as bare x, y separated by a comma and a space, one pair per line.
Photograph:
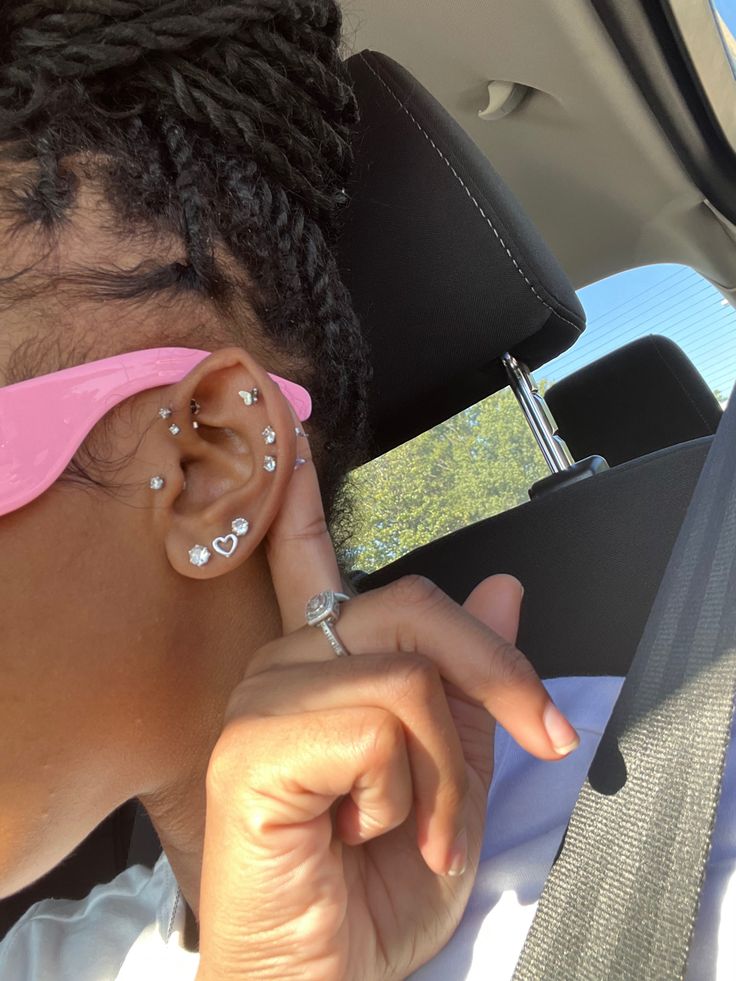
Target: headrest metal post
541, 422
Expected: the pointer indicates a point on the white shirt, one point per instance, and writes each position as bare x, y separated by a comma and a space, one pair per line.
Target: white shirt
131, 929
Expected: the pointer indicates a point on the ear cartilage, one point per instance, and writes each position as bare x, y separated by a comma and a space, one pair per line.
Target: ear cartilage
269, 436
156, 483
174, 429
199, 555
165, 413
225, 545
240, 527
300, 461
249, 397
269, 463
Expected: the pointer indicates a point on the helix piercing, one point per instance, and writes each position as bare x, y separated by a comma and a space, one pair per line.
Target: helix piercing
250, 397
269, 463
269, 436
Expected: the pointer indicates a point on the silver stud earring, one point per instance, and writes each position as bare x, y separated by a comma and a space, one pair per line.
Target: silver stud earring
269, 463
164, 413
269, 436
300, 461
240, 527
195, 424
174, 429
199, 555
156, 483
194, 407
250, 397
225, 545
299, 432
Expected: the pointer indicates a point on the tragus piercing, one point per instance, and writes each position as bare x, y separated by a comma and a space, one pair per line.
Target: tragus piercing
199, 555
250, 397
194, 407
269, 463
156, 483
269, 436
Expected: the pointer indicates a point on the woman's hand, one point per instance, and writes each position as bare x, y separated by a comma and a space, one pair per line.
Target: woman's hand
346, 797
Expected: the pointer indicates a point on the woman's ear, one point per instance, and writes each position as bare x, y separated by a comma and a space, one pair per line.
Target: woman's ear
227, 441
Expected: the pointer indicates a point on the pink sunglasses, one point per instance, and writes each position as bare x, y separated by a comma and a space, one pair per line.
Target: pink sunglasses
44, 421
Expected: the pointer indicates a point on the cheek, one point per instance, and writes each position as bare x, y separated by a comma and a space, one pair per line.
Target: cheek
76, 692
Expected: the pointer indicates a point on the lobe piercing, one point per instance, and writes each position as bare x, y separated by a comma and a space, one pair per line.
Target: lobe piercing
251, 397
269, 436
156, 483
240, 527
269, 463
164, 413
225, 545
174, 429
199, 555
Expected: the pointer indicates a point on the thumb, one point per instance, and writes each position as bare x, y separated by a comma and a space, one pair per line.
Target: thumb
496, 602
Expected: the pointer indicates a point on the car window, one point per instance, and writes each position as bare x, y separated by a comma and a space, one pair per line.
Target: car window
484, 460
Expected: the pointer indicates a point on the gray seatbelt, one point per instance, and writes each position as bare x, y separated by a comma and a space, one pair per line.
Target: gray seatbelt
621, 901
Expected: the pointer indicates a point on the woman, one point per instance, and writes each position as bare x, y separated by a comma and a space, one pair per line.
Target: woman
171, 174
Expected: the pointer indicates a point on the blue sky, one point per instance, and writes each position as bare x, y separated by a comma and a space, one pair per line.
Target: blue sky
665, 299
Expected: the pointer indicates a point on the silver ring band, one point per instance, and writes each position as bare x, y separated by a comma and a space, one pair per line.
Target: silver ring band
334, 640
323, 611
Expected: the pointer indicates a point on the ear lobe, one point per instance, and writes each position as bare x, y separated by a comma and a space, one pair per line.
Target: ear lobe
236, 463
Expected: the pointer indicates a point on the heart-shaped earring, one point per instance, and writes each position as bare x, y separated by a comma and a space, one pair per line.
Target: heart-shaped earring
225, 545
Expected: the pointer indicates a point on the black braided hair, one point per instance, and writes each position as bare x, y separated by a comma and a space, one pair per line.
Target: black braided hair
225, 123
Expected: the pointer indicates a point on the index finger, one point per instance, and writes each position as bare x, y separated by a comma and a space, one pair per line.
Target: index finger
298, 546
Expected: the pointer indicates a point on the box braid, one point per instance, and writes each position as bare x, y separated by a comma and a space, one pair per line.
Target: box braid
226, 123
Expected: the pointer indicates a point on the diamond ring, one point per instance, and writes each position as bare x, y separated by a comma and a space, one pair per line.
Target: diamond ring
323, 611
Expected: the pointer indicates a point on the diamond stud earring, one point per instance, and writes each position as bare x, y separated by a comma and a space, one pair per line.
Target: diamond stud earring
156, 483
240, 527
249, 397
269, 436
269, 463
174, 429
199, 555
165, 413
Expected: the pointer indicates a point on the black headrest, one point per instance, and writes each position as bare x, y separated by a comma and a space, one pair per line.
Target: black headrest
638, 399
445, 269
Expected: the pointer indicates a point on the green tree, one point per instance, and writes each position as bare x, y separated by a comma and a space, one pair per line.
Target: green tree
480, 462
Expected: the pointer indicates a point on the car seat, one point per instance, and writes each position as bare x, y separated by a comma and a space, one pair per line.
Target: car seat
635, 400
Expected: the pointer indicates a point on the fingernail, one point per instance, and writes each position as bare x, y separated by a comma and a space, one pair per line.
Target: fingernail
561, 733
459, 854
